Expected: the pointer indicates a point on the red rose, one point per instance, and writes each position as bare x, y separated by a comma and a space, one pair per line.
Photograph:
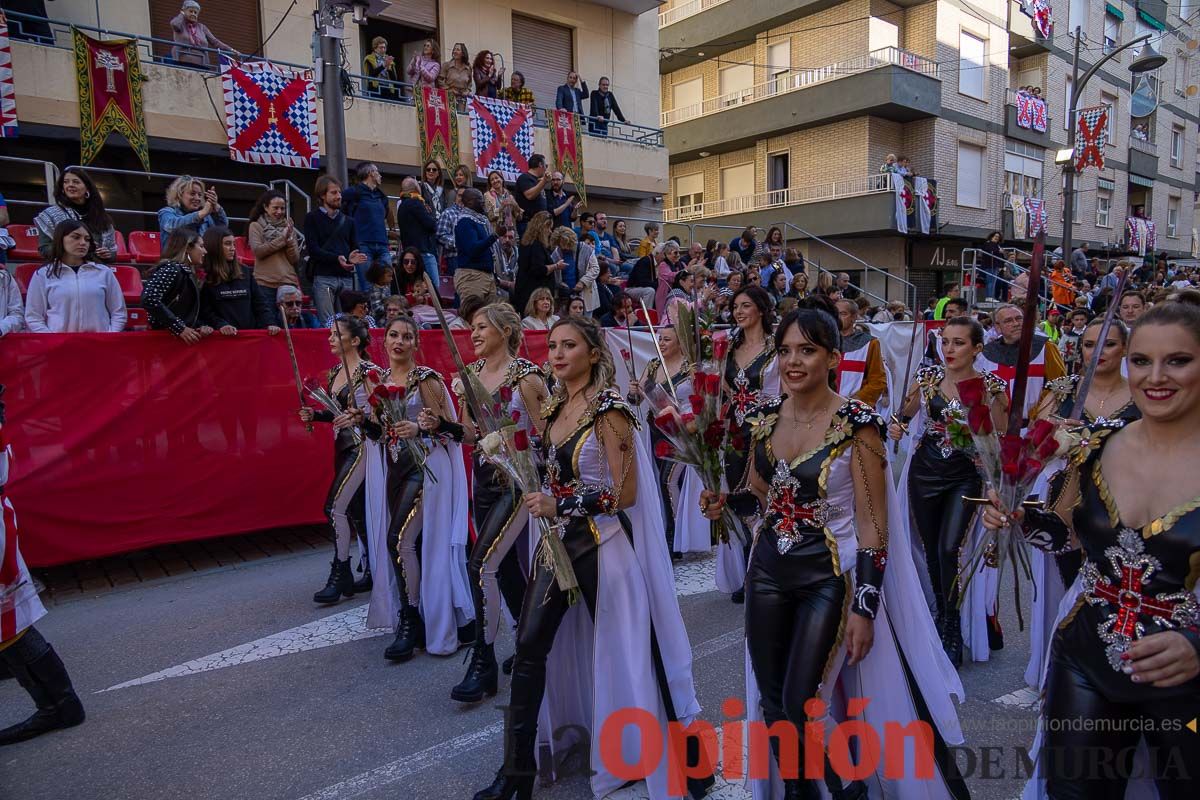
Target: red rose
737, 440
971, 392
373, 400
1030, 468
1047, 449
663, 449
521, 441
1011, 448
380, 392
625, 355
715, 434
516, 415
720, 347
697, 402
1040, 431
496, 409
667, 421
714, 384
979, 419
506, 394
397, 391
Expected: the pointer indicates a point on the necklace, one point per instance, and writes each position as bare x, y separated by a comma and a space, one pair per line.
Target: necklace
1108, 396
808, 423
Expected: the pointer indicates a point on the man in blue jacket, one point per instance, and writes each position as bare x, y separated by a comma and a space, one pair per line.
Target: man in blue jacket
571, 94
367, 205
475, 274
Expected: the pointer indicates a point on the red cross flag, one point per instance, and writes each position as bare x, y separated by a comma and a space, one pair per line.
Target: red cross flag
270, 114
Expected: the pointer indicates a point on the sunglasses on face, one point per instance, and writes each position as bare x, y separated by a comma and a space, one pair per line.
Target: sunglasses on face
431, 169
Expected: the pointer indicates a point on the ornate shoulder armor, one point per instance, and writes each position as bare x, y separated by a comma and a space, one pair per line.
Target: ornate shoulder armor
929, 378
611, 400
550, 406
994, 383
1091, 440
522, 368
762, 417
652, 367
1063, 387
862, 415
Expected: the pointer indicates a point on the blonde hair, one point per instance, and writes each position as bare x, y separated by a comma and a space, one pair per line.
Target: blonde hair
564, 238
538, 230
178, 187
603, 371
539, 293
504, 319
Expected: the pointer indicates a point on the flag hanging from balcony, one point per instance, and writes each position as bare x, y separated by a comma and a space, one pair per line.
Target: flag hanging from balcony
1040, 16
902, 189
911, 201
1091, 137
109, 78
923, 211
270, 114
1037, 215
8, 99
437, 127
568, 150
501, 136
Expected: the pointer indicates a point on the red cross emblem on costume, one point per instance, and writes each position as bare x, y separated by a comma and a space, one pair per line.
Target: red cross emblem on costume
267, 118
503, 136
743, 397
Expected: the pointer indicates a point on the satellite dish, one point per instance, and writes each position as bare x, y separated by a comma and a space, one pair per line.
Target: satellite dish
1143, 99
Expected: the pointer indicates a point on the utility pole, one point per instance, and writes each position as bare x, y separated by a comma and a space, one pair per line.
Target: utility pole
331, 28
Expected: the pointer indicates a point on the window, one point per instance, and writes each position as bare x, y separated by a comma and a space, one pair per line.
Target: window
544, 54
779, 61
236, 21
1183, 71
1110, 100
1103, 209
1173, 217
1077, 16
778, 176
734, 83
1067, 105
1023, 168
1176, 145
689, 190
687, 94
737, 181
1112, 33
970, 175
971, 51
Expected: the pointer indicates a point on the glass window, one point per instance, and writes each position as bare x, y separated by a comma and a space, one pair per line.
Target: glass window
737, 79
779, 64
970, 175
1176, 145
1023, 168
1172, 216
971, 50
1103, 209
1110, 130
1067, 107
778, 174
687, 94
1112, 33
689, 190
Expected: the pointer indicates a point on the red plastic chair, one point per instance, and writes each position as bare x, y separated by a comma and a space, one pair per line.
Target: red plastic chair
641, 316
23, 273
137, 319
130, 280
145, 247
123, 255
26, 237
244, 253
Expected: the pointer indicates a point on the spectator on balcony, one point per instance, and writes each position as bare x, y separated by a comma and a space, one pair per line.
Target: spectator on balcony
889, 164
504, 260
561, 205
425, 66
187, 29
531, 192
903, 167
418, 226
650, 240
668, 268
73, 293
172, 295
745, 245
231, 300
369, 209
332, 246
1141, 132
12, 310
499, 204
276, 243
290, 301
378, 66
190, 205
535, 269
604, 106
570, 95
456, 75
517, 91
474, 272
76, 197
539, 311
489, 78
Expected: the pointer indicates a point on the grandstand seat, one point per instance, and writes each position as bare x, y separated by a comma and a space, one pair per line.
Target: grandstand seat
641, 316
244, 253
130, 280
145, 247
137, 319
123, 254
446, 290
23, 273
26, 238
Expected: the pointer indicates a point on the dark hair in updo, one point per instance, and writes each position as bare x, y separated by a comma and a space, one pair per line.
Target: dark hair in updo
765, 306
1184, 312
356, 329
816, 318
968, 322
1117, 325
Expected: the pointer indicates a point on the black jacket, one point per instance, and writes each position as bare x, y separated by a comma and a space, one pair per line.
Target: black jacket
531, 274
326, 238
172, 298
642, 275
239, 302
599, 108
417, 225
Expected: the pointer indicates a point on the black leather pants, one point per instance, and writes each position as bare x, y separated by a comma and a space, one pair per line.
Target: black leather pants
1094, 718
405, 482
795, 606
935, 492
345, 505
666, 476
493, 569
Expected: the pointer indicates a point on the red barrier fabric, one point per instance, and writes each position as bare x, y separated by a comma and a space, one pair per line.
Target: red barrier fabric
130, 440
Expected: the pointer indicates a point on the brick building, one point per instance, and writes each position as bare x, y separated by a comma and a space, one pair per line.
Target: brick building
781, 113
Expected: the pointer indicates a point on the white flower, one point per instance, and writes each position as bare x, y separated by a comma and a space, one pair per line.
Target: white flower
492, 444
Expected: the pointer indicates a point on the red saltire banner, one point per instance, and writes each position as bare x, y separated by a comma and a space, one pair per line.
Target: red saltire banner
568, 150
1093, 134
132, 440
501, 136
270, 114
8, 94
109, 77
437, 127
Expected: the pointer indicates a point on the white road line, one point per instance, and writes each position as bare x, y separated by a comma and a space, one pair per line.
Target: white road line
448, 750
1024, 697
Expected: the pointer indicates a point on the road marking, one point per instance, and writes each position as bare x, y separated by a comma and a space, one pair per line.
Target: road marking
1024, 697
450, 749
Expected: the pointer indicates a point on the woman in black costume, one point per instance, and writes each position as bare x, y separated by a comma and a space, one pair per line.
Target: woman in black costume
940, 474
344, 505
1126, 656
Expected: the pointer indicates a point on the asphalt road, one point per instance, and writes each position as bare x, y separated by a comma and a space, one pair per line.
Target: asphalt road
231, 684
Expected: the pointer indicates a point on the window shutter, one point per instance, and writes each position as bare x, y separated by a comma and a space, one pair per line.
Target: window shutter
234, 22
415, 13
544, 54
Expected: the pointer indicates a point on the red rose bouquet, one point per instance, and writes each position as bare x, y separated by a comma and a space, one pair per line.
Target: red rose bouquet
390, 405
317, 391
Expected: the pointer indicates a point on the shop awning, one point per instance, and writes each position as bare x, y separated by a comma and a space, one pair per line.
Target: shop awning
1151, 21
1109, 8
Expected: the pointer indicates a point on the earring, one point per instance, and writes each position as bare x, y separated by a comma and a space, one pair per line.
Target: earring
87, 195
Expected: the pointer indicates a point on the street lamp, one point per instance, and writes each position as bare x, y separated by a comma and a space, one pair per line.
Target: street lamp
1147, 60
330, 27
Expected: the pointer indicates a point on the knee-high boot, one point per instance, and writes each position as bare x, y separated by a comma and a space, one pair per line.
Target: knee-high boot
410, 630
46, 679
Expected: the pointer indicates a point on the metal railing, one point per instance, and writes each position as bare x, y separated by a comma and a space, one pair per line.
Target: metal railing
1143, 146
685, 10
801, 79
357, 85
1010, 99
910, 292
780, 198
970, 260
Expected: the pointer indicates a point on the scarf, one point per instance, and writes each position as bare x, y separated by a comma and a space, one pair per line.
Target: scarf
274, 231
195, 32
476, 217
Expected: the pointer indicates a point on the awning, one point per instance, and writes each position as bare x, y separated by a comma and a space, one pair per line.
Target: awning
1138, 180
1109, 8
1151, 21
1106, 184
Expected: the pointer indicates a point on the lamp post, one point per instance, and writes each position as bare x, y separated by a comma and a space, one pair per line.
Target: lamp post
330, 28
1146, 61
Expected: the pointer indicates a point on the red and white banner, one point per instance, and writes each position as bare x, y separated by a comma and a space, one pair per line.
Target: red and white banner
1092, 136
501, 136
568, 149
270, 114
437, 127
8, 93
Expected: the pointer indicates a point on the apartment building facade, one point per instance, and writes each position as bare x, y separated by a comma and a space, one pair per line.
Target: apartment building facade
626, 169
781, 113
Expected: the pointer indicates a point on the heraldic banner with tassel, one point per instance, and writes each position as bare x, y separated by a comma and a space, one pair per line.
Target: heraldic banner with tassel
568, 150
8, 96
270, 114
110, 78
437, 127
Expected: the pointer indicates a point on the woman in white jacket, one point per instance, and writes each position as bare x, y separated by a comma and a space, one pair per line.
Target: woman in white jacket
73, 293
587, 267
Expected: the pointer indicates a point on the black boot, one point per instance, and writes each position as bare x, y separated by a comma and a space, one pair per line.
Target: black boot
515, 778
995, 633
410, 636
47, 682
506, 667
698, 787
952, 636
482, 676
340, 583
466, 634
364, 584
738, 597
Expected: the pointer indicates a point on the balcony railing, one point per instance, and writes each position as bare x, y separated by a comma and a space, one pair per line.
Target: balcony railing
1143, 146
802, 79
797, 195
685, 10
354, 85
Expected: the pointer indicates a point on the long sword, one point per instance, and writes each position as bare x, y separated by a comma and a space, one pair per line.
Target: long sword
654, 338
287, 335
1016, 412
473, 402
1085, 384
918, 325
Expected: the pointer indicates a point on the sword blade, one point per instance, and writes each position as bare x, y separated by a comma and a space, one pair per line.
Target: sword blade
1016, 411
1085, 385
473, 401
